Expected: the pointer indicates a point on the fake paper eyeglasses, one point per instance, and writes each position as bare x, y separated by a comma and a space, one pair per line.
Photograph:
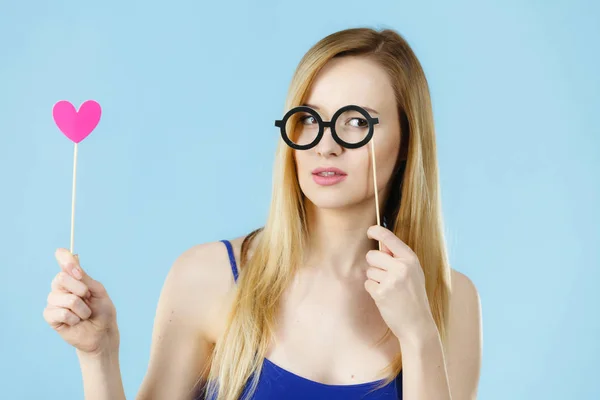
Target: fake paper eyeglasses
302, 127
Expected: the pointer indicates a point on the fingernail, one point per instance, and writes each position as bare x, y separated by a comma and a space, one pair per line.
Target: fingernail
77, 273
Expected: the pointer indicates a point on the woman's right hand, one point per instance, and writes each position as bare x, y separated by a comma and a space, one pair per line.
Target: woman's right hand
80, 310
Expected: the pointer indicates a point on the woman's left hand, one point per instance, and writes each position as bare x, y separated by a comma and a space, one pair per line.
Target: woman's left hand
396, 282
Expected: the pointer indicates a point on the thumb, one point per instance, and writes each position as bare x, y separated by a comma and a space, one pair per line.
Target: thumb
69, 263
95, 287
385, 249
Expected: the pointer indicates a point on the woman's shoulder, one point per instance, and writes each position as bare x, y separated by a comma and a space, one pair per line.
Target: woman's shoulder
462, 284
190, 316
199, 286
206, 264
464, 299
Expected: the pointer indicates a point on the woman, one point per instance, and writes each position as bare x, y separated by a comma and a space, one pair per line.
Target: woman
316, 312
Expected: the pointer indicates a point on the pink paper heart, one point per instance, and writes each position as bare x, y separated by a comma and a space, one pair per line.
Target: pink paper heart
76, 125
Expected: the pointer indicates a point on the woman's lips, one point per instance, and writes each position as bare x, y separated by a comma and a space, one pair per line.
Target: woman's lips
327, 176
335, 170
328, 180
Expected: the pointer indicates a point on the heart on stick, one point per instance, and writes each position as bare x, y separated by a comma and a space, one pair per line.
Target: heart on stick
76, 125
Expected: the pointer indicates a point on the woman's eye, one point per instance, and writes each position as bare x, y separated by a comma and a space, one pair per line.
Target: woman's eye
359, 122
308, 119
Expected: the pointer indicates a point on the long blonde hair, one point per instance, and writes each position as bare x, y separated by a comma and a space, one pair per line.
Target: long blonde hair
417, 219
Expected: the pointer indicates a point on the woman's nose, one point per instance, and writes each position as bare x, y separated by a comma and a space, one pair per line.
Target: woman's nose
327, 146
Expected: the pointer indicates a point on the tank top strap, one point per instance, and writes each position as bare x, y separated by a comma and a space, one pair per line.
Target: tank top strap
232, 262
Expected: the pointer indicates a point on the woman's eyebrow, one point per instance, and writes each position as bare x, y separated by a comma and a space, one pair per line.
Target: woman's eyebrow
369, 109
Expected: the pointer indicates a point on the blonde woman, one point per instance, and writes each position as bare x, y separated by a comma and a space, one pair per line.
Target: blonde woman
308, 306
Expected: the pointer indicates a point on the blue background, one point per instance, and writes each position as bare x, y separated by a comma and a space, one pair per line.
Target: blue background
185, 148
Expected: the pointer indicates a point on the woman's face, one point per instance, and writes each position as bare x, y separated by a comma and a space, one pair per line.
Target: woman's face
358, 81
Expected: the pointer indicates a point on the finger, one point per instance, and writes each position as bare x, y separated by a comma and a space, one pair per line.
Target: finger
71, 302
376, 274
392, 242
381, 260
68, 263
66, 283
60, 316
373, 288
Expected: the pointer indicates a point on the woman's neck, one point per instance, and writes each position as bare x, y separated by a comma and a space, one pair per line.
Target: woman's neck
338, 239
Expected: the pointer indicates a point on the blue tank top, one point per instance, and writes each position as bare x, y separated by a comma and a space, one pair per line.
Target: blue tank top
276, 383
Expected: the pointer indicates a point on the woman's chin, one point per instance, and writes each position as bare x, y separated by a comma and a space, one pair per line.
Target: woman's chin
329, 200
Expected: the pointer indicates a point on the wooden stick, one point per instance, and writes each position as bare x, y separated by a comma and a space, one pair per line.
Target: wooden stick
73, 198
375, 183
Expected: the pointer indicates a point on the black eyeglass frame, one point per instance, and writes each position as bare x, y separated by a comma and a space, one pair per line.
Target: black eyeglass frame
372, 121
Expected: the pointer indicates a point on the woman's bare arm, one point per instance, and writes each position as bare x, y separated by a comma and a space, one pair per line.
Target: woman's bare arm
432, 373
187, 315
465, 338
